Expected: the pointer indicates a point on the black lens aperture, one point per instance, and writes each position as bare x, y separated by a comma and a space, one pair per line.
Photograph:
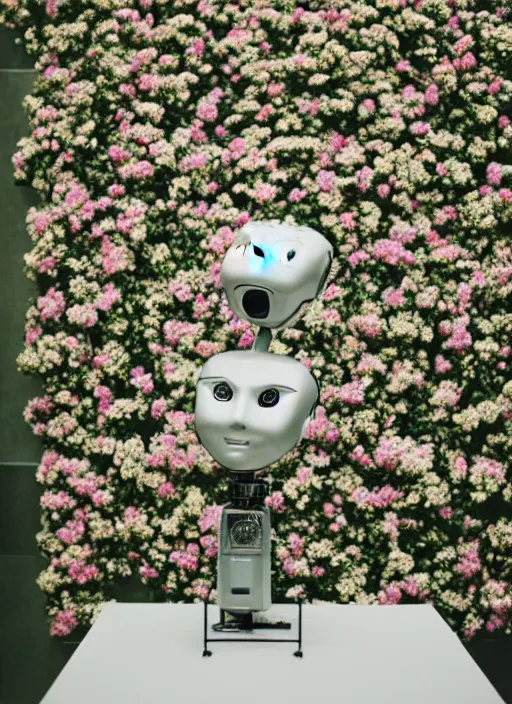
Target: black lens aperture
269, 398
222, 392
256, 303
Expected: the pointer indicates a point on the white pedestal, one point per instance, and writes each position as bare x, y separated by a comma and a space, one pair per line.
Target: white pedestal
152, 654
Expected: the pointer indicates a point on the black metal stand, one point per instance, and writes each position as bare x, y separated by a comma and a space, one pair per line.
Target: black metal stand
247, 624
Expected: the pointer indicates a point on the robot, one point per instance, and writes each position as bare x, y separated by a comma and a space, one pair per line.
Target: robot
253, 407
272, 271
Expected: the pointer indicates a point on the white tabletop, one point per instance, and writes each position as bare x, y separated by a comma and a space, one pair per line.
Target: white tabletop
152, 654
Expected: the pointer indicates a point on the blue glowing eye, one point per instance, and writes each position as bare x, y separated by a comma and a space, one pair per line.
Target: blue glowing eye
258, 251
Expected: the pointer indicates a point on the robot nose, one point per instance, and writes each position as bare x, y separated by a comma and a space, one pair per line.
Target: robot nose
237, 426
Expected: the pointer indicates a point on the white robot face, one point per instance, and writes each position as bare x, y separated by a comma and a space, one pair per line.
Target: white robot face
272, 270
253, 407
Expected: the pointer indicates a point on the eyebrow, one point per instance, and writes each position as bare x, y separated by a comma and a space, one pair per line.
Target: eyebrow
221, 378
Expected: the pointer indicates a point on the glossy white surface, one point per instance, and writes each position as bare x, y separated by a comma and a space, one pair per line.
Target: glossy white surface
152, 654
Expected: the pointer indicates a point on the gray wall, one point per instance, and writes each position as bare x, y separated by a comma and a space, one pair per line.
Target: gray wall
29, 659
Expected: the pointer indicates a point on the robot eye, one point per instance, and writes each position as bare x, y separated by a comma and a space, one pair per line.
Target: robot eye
268, 398
222, 392
258, 251
286, 251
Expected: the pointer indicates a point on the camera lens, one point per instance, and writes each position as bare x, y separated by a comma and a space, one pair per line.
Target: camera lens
269, 398
222, 392
256, 303
246, 533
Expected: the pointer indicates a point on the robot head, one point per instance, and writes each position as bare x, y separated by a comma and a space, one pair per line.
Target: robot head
272, 270
253, 407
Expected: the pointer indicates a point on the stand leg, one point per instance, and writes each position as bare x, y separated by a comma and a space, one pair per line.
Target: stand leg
298, 653
206, 652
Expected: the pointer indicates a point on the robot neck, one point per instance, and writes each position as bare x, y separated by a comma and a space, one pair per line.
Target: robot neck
245, 490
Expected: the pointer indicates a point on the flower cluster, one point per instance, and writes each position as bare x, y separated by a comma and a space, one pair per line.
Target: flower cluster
157, 129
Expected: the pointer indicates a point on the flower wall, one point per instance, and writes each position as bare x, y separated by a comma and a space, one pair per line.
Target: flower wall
157, 129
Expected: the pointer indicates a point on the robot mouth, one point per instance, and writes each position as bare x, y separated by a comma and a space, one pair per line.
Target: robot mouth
256, 303
241, 443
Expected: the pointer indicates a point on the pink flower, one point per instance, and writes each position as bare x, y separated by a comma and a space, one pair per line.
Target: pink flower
84, 315
325, 180
483, 466
209, 543
469, 563
365, 176
303, 474
466, 62
386, 455
494, 174
158, 408
383, 190
446, 512
210, 518
109, 297
348, 221
52, 305
357, 257
460, 467
165, 490
463, 44
32, 335
197, 48
275, 89
352, 393
81, 572
297, 195
264, 113
265, 193
390, 595
460, 338
442, 365
432, 94
207, 112
403, 66
338, 142
148, 572
394, 297
71, 533
359, 456
369, 105
275, 501
41, 222
296, 544
141, 380
51, 8
118, 155
392, 252
114, 258
420, 128
63, 623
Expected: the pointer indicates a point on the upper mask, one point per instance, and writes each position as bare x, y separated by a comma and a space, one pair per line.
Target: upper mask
272, 271
253, 407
